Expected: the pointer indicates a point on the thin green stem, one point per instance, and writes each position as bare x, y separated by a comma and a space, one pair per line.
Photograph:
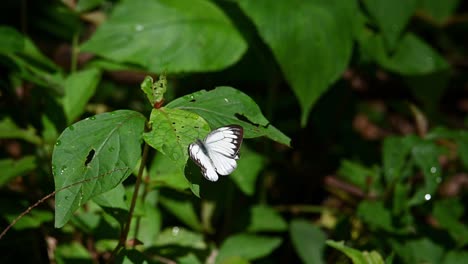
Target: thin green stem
126, 229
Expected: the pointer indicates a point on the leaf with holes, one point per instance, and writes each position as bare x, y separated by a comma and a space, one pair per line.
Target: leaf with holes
93, 156
226, 105
172, 132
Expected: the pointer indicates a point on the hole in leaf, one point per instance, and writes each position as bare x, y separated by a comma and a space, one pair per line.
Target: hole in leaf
245, 119
90, 157
192, 101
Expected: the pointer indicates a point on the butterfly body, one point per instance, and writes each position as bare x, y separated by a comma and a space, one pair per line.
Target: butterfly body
217, 153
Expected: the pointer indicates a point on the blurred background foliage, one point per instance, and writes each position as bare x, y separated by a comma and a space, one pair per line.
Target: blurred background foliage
372, 93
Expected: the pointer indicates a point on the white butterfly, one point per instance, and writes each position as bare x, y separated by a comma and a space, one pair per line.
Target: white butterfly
217, 154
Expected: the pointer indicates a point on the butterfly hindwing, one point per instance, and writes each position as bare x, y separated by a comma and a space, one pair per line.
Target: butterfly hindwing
218, 153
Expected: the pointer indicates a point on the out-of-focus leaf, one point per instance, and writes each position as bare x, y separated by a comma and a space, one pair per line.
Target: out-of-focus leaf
246, 246
419, 251
8, 129
149, 225
235, 260
448, 213
183, 209
33, 219
190, 258
308, 241
391, 17
265, 219
93, 156
310, 39
72, 252
79, 88
13, 168
459, 136
11, 40
86, 5
177, 236
167, 36
358, 174
376, 215
412, 56
357, 256
249, 166
226, 105
173, 130
455, 257
114, 198
395, 153
440, 11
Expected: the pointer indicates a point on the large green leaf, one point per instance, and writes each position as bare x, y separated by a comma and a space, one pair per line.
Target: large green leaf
247, 246
79, 87
173, 130
93, 156
166, 35
310, 39
391, 17
308, 241
226, 105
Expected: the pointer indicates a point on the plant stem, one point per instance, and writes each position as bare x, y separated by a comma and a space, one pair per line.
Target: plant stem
124, 234
74, 52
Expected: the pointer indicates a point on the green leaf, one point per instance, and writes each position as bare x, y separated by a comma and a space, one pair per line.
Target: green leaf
311, 40
177, 236
13, 168
173, 130
249, 166
412, 56
308, 241
459, 136
246, 246
93, 156
391, 17
182, 208
376, 215
12, 40
456, 257
114, 198
438, 10
79, 88
448, 213
226, 105
358, 174
395, 153
33, 219
165, 35
72, 253
356, 256
149, 225
419, 251
86, 5
165, 172
8, 129
265, 219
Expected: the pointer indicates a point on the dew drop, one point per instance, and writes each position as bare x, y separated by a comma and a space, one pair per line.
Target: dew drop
427, 197
433, 169
53, 167
63, 169
58, 143
93, 118
175, 230
71, 128
226, 100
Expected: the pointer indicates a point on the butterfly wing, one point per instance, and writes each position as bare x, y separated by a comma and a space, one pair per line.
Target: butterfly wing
223, 145
203, 161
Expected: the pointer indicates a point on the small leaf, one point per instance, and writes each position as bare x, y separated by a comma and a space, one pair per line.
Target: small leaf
308, 241
448, 213
265, 219
93, 156
8, 129
356, 256
182, 208
395, 153
178, 236
249, 166
438, 10
72, 252
358, 174
421, 250
249, 247
173, 130
79, 88
226, 105
376, 215
167, 36
13, 168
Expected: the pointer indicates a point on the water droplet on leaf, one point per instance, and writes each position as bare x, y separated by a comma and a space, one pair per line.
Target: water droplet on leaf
427, 197
433, 169
93, 118
58, 143
175, 230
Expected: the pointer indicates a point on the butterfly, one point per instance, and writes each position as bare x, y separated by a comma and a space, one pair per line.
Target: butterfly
217, 153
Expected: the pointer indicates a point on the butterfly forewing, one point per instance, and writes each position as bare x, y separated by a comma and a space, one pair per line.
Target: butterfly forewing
217, 154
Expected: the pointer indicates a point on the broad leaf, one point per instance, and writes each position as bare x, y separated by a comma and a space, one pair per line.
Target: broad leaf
249, 247
79, 87
308, 241
225, 105
93, 156
165, 35
310, 39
